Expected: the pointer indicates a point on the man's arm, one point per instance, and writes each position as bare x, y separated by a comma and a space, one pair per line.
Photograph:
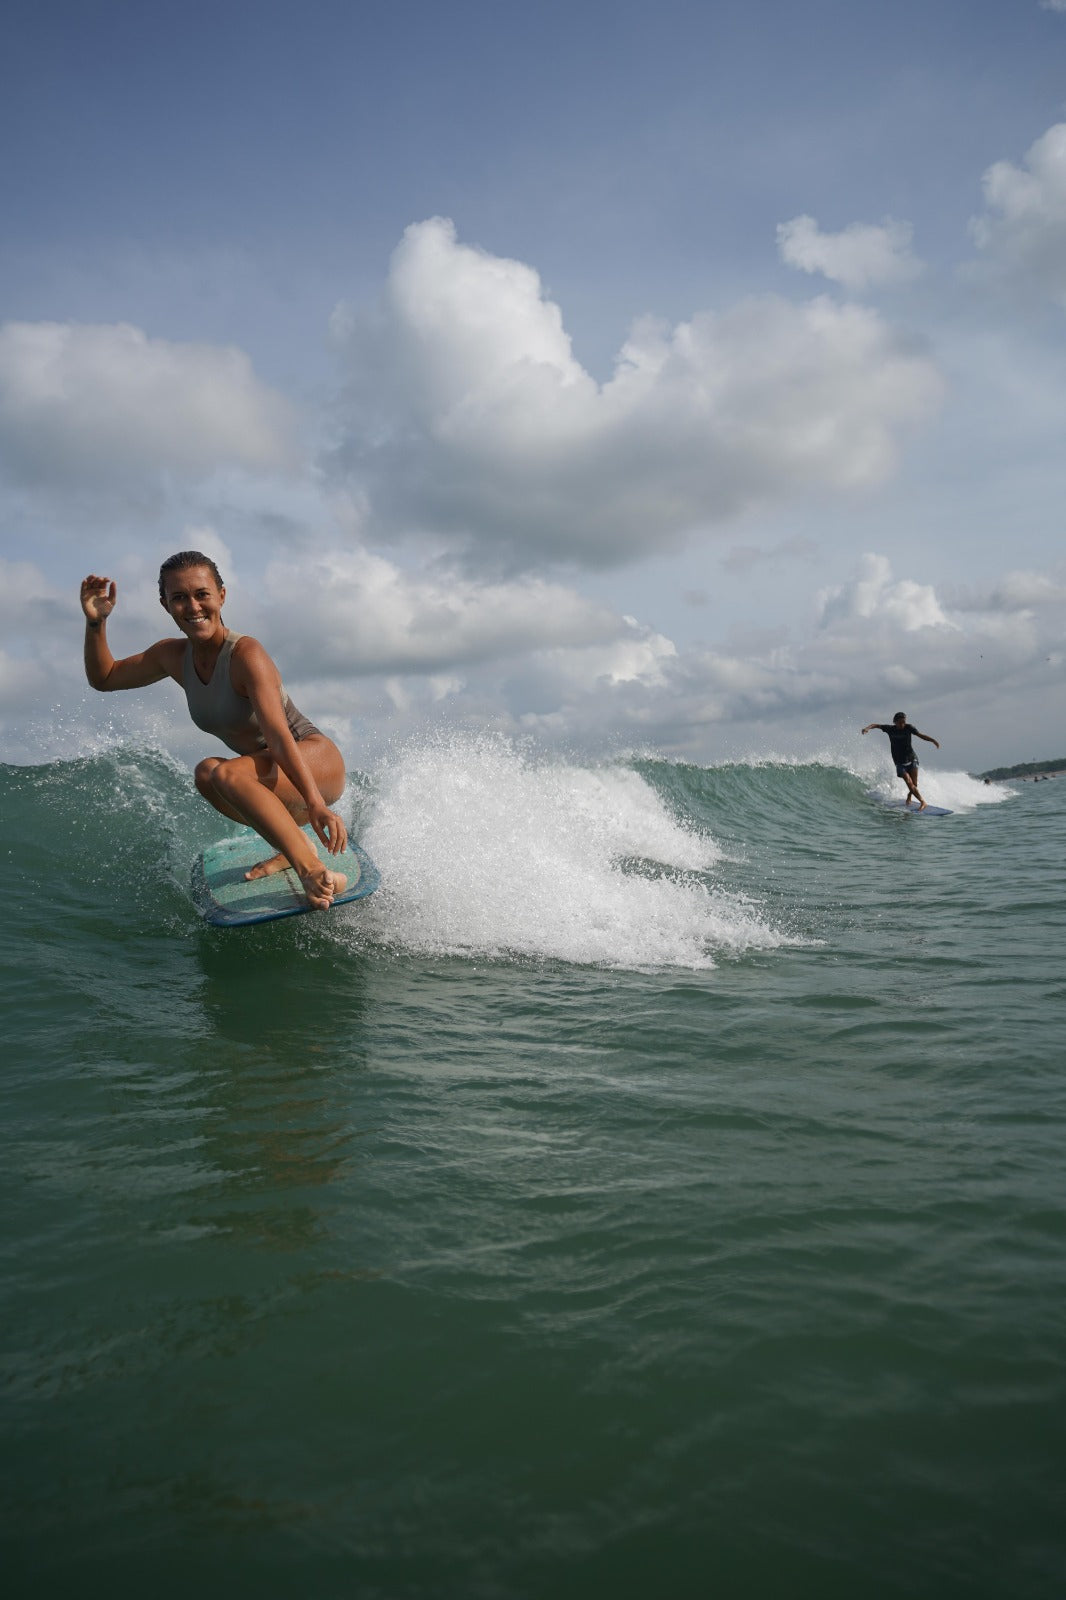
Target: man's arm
928, 737
878, 725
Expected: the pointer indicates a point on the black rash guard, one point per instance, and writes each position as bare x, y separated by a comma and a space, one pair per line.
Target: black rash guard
900, 740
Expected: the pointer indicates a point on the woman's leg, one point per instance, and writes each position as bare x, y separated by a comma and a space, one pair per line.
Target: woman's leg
202, 777
327, 765
254, 790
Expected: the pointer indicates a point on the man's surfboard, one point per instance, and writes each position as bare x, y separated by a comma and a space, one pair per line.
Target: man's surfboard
912, 810
227, 899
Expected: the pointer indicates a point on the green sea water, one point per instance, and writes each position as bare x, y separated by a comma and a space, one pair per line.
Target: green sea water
656, 1188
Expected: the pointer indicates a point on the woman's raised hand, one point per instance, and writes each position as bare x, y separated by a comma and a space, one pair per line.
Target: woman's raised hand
97, 597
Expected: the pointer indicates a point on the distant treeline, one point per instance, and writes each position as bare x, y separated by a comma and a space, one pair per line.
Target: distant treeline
1025, 769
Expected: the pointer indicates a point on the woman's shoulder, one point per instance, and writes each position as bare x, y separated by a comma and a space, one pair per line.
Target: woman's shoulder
249, 655
244, 645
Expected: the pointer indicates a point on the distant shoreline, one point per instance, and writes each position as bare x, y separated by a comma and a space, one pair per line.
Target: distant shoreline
1027, 769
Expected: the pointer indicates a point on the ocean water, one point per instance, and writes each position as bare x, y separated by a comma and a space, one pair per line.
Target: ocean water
656, 1189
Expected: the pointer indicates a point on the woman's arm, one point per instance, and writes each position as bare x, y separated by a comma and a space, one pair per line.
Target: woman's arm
928, 738
160, 660
870, 725
258, 678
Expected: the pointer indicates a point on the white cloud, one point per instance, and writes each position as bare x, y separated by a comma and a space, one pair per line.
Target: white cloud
873, 595
469, 416
882, 638
102, 405
641, 658
863, 255
1053, 5
1022, 232
370, 651
1016, 591
359, 613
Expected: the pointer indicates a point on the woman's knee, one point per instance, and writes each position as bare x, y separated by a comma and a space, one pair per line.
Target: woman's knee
204, 773
229, 777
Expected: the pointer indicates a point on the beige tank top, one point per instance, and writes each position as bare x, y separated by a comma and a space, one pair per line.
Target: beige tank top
217, 708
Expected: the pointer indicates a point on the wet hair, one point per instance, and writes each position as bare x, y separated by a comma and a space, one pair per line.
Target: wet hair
901, 716
178, 563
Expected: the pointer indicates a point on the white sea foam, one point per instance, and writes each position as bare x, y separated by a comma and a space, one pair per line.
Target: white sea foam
958, 791
484, 849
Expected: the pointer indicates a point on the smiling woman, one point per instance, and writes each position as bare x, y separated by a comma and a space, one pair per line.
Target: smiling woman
284, 772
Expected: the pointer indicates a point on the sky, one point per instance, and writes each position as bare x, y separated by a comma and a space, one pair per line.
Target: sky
683, 378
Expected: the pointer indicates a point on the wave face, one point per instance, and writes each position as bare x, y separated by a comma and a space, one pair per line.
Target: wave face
489, 850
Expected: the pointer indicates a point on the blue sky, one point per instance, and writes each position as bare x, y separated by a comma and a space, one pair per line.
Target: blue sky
339, 291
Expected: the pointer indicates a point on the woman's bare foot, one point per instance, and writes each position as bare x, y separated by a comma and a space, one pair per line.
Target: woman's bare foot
266, 869
321, 885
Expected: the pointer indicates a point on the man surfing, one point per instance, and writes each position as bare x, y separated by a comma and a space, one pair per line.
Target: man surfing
900, 733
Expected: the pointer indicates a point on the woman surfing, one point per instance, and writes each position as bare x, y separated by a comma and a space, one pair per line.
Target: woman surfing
285, 772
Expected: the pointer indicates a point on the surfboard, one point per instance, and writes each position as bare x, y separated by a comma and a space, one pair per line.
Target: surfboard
912, 811
225, 898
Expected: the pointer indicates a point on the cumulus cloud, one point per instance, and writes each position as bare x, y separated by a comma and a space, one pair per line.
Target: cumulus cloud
468, 414
1022, 231
863, 255
101, 405
359, 614
873, 595
642, 657
372, 651
1016, 591
881, 637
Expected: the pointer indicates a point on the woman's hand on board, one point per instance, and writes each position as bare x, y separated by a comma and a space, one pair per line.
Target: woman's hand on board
329, 827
